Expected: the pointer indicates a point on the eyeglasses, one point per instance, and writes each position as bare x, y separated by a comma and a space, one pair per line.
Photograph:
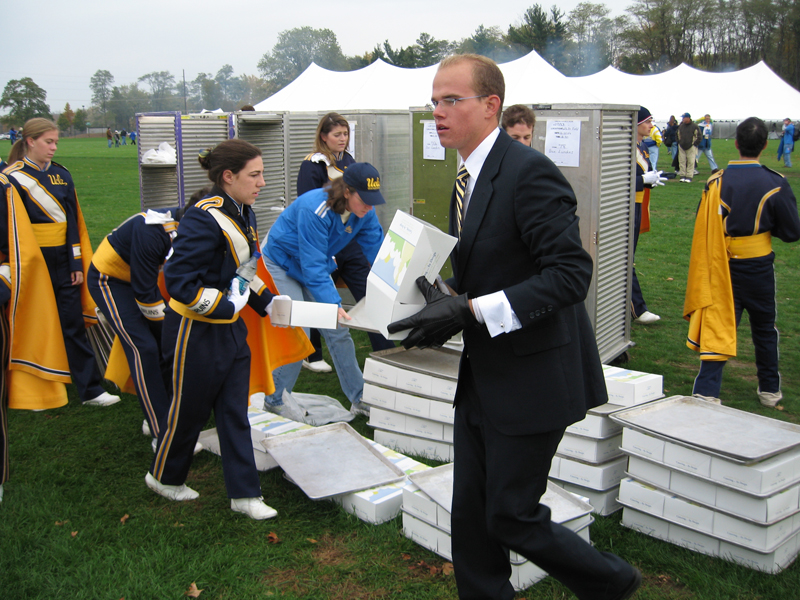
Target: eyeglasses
450, 102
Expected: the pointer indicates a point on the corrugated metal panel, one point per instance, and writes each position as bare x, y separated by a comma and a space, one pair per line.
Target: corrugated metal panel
612, 263
158, 185
302, 127
267, 134
198, 134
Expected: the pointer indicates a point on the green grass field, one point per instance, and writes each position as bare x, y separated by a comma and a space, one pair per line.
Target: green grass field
78, 522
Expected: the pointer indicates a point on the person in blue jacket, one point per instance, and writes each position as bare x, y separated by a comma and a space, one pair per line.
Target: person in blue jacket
786, 146
328, 162
298, 253
203, 337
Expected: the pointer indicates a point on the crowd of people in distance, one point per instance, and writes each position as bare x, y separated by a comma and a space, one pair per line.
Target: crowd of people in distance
120, 137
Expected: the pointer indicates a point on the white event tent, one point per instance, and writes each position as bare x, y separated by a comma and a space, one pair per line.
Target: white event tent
732, 96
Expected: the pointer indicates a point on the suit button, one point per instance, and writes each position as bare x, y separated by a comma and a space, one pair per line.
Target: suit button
531, 316
549, 307
537, 313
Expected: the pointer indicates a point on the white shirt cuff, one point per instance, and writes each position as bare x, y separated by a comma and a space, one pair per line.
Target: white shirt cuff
495, 311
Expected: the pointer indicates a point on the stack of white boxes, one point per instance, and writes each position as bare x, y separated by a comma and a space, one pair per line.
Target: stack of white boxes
427, 520
589, 461
690, 496
410, 394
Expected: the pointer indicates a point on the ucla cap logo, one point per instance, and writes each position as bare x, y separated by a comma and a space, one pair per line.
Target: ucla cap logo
373, 183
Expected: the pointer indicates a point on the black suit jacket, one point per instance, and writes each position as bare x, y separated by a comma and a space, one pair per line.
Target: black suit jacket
521, 235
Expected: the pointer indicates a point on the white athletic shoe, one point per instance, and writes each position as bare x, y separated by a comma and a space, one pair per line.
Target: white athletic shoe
1, 492
769, 399
197, 447
253, 508
179, 493
360, 408
647, 317
146, 428
104, 399
318, 366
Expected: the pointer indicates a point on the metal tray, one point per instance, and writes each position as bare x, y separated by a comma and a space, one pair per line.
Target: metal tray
438, 484
734, 435
439, 362
330, 460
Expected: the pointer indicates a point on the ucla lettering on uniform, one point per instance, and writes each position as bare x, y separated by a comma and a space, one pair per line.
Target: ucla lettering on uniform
373, 183
56, 179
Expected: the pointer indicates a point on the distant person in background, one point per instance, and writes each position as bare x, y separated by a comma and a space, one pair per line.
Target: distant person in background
706, 128
646, 179
124, 135
731, 266
328, 162
12, 135
54, 216
518, 121
786, 146
109, 136
116, 138
133, 137
652, 143
671, 137
688, 141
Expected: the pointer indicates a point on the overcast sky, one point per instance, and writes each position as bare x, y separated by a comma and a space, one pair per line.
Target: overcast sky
65, 43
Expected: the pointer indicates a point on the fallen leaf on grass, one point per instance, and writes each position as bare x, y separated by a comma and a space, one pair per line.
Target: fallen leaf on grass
60, 523
670, 279
193, 592
272, 538
74, 533
447, 569
124, 519
405, 556
311, 540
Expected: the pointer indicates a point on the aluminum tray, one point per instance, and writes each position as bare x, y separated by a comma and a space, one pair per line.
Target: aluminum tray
438, 484
734, 435
439, 362
330, 460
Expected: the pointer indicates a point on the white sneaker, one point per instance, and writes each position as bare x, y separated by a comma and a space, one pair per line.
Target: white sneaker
179, 493
318, 366
146, 428
359, 408
1, 492
197, 447
769, 399
104, 399
253, 508
708, 398
647, 317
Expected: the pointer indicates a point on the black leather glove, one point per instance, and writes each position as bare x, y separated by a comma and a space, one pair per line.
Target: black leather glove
442, 318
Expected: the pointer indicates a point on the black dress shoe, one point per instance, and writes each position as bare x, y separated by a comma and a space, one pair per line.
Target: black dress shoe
631, 588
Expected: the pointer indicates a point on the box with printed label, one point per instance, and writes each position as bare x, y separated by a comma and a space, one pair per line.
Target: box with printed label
647, 524
693, 488
604, 502
689, 514
444, 389
590, 449
412, 405
693, 540
376, 395
442, 412
687, 460
555, 467
767, 509
413, 382
424, 428
410, 444
424, 534
418, 503
770, 562
629, 388
380, 373
764, 477
387, 419
447, 433
597, 477
642, 444
752, 535
641, 496
658, 475
597, 423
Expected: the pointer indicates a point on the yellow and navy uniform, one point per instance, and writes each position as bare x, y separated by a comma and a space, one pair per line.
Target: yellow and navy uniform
641, 224
54, 220
731, 269
6, 189
205, 342
123, 280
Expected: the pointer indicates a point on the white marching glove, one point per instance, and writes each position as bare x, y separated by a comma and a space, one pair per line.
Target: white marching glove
280, 297
653, 178
238, 298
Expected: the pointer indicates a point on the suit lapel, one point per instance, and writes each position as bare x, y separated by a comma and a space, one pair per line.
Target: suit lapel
479, 200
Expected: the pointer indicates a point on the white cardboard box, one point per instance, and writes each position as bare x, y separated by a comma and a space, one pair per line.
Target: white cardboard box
771, 562
408, 444
760, 478
588, 449
412, 405
693, 488
693, 540
380, 373
296, 313
751, 535
658, 475
414, 383
596, 477
387, 419
442, 411
766, 509
641, 496
643, 444
629, 388
375, 395
687, 460
688, 514
647, 524
604, 502
410, 249
597, 423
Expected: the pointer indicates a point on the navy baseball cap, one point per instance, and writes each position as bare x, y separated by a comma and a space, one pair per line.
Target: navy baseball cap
685, 115
366, 181
644, 114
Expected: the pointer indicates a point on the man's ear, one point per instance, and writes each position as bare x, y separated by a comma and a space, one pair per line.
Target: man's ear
493, 106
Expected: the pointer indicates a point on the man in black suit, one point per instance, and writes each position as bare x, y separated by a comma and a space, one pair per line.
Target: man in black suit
530, 366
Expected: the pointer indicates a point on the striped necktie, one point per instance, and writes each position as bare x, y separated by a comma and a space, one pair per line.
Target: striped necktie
461, 188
